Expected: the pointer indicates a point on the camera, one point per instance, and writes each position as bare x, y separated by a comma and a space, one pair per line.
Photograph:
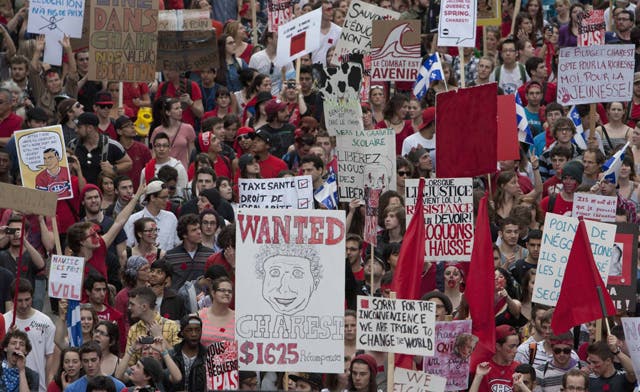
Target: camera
146, 339
11, 230
291, 84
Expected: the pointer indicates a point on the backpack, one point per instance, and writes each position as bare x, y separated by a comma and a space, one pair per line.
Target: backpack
103, 143
523, 74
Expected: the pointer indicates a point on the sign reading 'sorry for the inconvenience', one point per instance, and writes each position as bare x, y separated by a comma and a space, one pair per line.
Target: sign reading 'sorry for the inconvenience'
65, 277
596, 207
457, 25
395, 50
396, 325
557, 239
291, 192
123, 42
448, 217
591, 74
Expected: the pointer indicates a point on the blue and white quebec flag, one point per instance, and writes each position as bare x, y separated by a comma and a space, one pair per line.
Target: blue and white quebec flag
524, 132
430, 70
580, 138
73, 323
611, 168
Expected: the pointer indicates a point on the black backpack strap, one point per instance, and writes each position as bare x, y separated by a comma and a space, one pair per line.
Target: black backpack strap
552, 202
128, 252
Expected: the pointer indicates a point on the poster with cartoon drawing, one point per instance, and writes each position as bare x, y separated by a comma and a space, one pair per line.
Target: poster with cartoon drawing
290, 301
43, 160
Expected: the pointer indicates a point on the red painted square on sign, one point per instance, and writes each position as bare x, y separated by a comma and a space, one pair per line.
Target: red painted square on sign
298, 43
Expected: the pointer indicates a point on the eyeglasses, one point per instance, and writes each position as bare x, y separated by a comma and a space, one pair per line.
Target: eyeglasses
403, 173
558, 350
158, 145
100, 333
353, 249
150, 231
109, 106
225, 291
246, 136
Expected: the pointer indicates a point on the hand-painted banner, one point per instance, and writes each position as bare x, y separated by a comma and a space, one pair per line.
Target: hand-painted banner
592, 74
290, 300
622, 282
448, 217
457, 25
395, 50
54, 19
396, 326
298, 37
595, 207
292, 192
65, 277
221, 366
557, 240
43, 161
591, 28
405, 380
279, 13
454, 345
358, 149
357, 30
123, 41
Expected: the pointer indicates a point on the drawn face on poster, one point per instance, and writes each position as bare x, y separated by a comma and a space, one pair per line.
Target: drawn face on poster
489, 11
290, 275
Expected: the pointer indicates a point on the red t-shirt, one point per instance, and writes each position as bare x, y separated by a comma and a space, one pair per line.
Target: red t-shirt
196, 94
140, 155
221, 168
12, 123
131, 91
68, 210
407, 130
98, 260
271, 167
499, 378
116, 317
550, 184
109, 131
561, 206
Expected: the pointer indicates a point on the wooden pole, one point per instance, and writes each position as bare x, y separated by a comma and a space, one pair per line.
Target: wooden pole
391, 358
56, 236
254, 22
285, 378
18, 270
120, 94
516, 10
371, 269
592, 118
598, 330
462, 76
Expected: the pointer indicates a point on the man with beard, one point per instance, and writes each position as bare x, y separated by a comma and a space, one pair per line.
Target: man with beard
496, 374
562, 202
189, 355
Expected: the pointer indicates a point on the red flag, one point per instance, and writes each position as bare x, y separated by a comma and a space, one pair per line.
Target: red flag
578, 301
477, 125
406, 278
480, 288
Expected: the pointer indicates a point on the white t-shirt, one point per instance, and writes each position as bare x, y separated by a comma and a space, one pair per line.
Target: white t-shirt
326, 41
183, 182
510, 80
167, 228
41, 331
416, 140
261, 61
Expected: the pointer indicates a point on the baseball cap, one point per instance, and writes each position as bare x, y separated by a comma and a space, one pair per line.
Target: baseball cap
104, 98
88, 118
313, 379
428, 116
264, 135
503, 331
274, 106
244, 160
122, 122
153, 187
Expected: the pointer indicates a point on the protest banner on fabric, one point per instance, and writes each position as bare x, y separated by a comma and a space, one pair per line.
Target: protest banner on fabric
489, 13
42, 158
28, 201
396, 325
395, 50
455, 159
622, 282
591, 28
65, 277
184, 20
556, 244
123, 42
291, 192
298, 37
596, 207
405, 380
290, 300
356, 150
186, 40
448, 217
457, 25
356, 34
454, 344
371, 203
631, 327
589, 74
508, 145
55, 19
221, 366
279, 12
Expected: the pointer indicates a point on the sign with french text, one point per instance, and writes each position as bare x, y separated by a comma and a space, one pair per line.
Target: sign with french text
358, 149
557, 239
298, 37
448, 216
591, 74
221, 366
54, 20
399, 326
395, 50
405, 380
596, 207
591, 28
454, 345
622, 282
279, 12
290, 300
65, 277
184, 20
290, 192
457, 25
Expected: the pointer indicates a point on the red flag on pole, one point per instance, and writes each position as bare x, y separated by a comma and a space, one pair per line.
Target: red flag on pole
579, 301
480, 288
406, 279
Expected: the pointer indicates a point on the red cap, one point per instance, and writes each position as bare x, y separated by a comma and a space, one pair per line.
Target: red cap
503, 331
428, 116
87, 188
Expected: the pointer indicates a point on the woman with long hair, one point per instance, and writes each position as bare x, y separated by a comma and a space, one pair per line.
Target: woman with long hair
616, 132
627, 188
106, 334
377, 101
70, 370
105, 183
453, 283
493, 41
182, 136
524, 27
562, 17
68, 111
367, 117
260, 91
549, 48
244, 95
218, 320
230, 64
507, 195
395, 113
568, 34
294, 99
526, 292
145, 230
225, 188
359, 378
88, 320
394, 226
535, 12
241, 49
507, 309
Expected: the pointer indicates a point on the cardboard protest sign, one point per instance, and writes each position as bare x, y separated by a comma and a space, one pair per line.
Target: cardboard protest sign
457, 25
65, 277
405, 380
28, 201
508, 145
489, 13
123, 42
596, 207
622, 281
396, 325
395, 50
454, 344
591, 28
590, 74
557, 240
291, 192
278, 13
290, 300
631, 326
448, 216
355, 37
298, 37
184, 20
221, 366
358, 149
42, 158
54, 19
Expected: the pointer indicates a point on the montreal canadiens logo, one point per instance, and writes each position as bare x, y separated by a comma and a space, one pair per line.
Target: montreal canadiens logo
58, 187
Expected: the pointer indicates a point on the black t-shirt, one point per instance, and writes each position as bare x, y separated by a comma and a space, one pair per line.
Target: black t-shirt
520, 268
616, 383
28, 272
90, 160
281, 138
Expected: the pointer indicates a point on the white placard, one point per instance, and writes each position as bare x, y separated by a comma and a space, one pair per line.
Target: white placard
557, 239
448, 216
54, 19
631, 326
65, 277
457, 25
591, 74
405, 380
290, 300
396, 326
290, 192
596, 207
298, 37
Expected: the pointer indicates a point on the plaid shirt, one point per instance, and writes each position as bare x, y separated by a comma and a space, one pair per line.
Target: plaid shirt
170, 330
630, 207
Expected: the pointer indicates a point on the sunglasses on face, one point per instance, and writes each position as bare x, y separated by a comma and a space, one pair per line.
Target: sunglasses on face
558, 350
